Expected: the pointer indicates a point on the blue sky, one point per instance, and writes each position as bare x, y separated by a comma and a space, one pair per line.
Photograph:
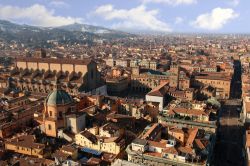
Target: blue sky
209, 16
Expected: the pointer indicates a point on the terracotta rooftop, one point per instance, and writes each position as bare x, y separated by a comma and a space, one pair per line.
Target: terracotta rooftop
60, 155
153, 154
68, 149
199, 144
155, 128
213, 76
171, 150
89, 136
157, 144
191, 137
52, 60
110, 127
29, 161
94, 161
26, 141
176, 130
161, 90
186, 150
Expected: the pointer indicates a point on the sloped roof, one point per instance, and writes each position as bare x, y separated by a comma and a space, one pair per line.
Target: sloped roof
161, 90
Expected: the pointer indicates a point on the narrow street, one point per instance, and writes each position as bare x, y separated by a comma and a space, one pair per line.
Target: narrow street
229, 144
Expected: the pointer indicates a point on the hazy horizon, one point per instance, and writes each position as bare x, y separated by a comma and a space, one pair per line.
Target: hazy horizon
161, 16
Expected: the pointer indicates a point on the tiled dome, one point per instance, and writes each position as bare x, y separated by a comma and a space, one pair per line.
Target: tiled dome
59, 97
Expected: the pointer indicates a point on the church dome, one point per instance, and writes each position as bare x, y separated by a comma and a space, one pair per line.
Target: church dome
59, 97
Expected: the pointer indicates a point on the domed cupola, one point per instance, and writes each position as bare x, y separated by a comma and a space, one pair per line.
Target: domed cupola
58, 97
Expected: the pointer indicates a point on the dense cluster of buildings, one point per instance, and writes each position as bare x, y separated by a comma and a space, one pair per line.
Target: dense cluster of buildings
245, 79
150, 104
168, 145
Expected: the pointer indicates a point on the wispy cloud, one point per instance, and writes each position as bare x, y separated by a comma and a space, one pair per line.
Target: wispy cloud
179, 20
37, 15
233, 3
136, 18
58, 3
216, 19
172, 2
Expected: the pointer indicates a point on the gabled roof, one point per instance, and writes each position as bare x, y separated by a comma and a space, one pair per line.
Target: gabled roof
199, 144
170, 150
27, 141
191, 137
89, 136
161, 90
186, 150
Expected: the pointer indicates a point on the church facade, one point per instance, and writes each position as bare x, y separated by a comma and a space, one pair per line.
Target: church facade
42, 74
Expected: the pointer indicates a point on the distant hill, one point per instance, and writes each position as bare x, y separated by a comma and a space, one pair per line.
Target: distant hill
74, 33
86, 28
97, 30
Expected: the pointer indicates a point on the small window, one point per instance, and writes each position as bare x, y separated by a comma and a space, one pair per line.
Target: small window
60, 114
49, 127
